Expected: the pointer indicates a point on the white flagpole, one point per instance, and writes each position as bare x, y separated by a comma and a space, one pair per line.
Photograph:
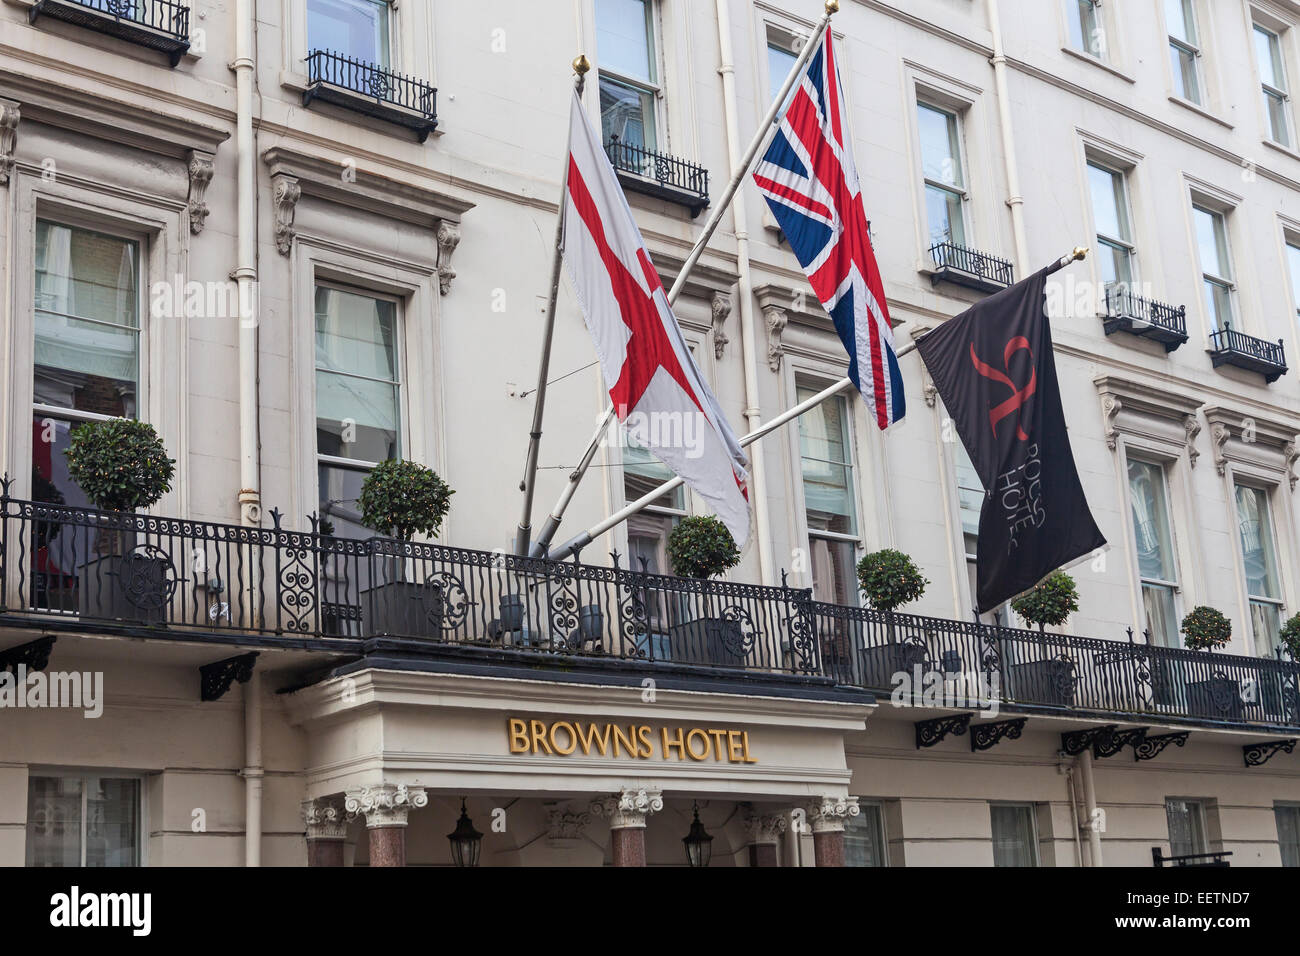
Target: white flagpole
710, 226
581, 541
581, 65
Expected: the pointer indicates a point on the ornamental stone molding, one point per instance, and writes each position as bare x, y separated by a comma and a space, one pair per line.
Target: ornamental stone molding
1264, 441
9, 117
448, 239
764, 827
386, 805
1148, 416
200, 169
629, 809
564, 824
830, 814
326, 819
285, 193
721, 305
776, 320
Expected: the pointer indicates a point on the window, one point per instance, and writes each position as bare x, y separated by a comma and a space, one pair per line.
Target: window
1255, 530
970, 501
355, 28
780, 61
625, 43
1083, 18
83, 821
1216, 266
648, 530
1114, 233
87, 349
358, 399
1288, 832
1015, 834
1272, 76
1186, 826
826, 460
864, 837
1184, 49
941, 165
1157, 567
1293, 266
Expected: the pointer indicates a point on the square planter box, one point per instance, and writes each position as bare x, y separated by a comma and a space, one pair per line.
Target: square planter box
708, 640
1042, 682
1217, 698
881, 663
130, 587
403, 609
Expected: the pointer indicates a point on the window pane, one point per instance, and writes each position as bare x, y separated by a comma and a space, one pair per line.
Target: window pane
834, 575
356, 418
1013, 835
53, 821
1151, 521
57, 828
1161, 616
780, 61
112, 822
1218, 304
1269, 54
339, 490
1108, 204
87, 319
1182, 25
1115, 262
1293, 264
1255, 531
864, 838
944, 213
1288, 833
826, 468
357, 399
1265, 623
1211, 243
358, 28
643, 472
940, 154
1186, 827
626, 113
1183, 64
356, 334
1085, 27
623, 39
50, 479
970, 490
1277, 125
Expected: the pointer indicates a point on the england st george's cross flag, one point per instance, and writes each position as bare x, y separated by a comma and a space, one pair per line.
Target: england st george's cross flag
810, 182
658, 392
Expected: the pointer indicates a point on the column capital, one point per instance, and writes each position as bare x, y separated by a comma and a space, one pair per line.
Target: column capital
326, 818
830, 814
386, 805
764, 827
630, 808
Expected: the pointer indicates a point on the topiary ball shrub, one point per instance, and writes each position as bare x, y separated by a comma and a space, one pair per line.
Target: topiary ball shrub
890, 579
701, 547
1289, 637
402, 499
1050, 601
120, 464
1205, 628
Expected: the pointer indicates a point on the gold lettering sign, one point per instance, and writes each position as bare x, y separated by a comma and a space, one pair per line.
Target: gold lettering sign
564, 738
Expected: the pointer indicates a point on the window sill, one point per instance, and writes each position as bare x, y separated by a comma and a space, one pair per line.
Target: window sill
1098, 62
1199, 111
1284, 150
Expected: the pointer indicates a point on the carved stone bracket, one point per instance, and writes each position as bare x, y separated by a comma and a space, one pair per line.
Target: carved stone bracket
386, 805
1149, 748
564, 824
200, 168
9, 117
930, 732
215, 679
34, 655
1111, 406
764, 827
1219, 435
1109, 744
448, 239
1257, 755
721, 303
1077, 741
1192, 428
285, 193
326, 819
1291, 452
776, 320
830, 814
630, 808
929, 391
988, 736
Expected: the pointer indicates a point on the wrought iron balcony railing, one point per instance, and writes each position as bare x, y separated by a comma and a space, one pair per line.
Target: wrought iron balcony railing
76, 569
1230, 347
371, 89
658, 174
1128, 312
969, 267
158, 24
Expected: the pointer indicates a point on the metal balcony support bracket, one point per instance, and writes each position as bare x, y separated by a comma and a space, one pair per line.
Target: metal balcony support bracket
1148, 748
1256, 755
988, 736
1108, 745
930, 732
216, 678
1077, 741
34, 655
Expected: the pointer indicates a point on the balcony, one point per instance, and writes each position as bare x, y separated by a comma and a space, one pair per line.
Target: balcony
373, 90
1230, 347
79, 570
157, 24
970, 268
1136, 315
655, 174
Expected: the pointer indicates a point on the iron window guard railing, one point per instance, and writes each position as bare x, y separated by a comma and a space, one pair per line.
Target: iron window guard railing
394, 96
664, 170
982, 266
159, 24
1216, 859
1129, 312
1230, 347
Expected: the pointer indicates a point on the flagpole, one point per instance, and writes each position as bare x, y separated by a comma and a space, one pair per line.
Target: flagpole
581, 65
710, 226
582, 540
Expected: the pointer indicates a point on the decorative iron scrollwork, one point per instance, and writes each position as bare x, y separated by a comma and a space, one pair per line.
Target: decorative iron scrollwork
445, 601
1109, 744
216, 678
1077, 741
1256, 755
147, 577
740, 633
34, 655
296, 588
988, 736
1150, 747
930, 732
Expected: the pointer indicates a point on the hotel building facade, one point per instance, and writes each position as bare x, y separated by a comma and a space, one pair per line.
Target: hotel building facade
300, 237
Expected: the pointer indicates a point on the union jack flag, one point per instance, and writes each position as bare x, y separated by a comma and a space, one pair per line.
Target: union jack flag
810, 181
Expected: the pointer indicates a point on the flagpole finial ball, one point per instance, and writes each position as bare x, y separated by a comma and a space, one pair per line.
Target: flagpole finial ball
832, 7
1079, 252
581, 65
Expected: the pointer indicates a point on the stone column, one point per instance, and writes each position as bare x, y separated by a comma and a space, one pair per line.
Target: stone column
628, 812
386, 807
327, 828
827, 817
763, 832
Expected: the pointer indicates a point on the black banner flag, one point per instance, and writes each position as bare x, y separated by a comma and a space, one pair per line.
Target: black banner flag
994, 369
